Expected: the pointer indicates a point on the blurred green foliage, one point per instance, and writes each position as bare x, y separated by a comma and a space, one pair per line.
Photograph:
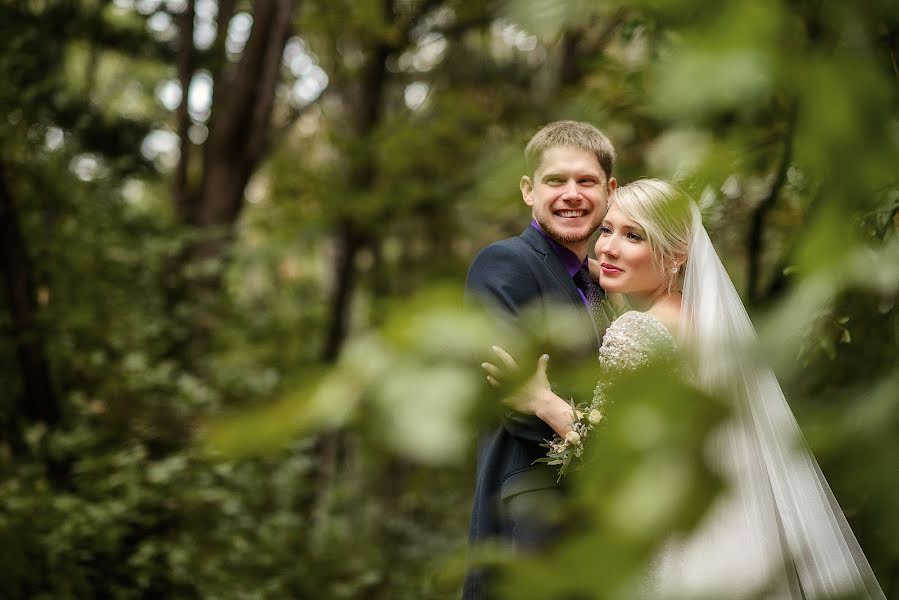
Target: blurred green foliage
644, 479
248, 466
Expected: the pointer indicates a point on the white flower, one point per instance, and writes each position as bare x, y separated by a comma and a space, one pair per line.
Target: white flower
573, 437
595, 416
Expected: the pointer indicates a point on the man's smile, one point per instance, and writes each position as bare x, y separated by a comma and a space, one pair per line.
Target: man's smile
571, 214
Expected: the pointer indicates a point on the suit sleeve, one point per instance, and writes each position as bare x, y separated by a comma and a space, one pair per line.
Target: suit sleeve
501, 279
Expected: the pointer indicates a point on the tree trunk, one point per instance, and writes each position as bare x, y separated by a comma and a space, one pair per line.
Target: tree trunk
238, 141
350, 237
780, 280
571, 68
184, 67
38, 402
759, 216
349, 242
582, 45
240, 123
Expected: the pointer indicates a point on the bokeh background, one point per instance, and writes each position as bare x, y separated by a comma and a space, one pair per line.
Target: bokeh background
234, 361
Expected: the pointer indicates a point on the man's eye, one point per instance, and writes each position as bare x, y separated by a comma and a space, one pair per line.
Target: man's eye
587, 182
554, 181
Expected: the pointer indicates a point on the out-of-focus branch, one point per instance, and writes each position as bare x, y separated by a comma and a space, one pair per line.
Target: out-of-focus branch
239, 127
184, 67
578, 44
760, 214
268, 79
38, 400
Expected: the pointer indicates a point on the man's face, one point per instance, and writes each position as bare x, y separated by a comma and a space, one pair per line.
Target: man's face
568, 195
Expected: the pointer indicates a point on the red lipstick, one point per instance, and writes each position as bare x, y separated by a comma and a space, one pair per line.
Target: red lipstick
609, 269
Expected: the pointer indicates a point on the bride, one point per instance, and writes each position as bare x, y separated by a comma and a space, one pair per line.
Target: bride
778, 521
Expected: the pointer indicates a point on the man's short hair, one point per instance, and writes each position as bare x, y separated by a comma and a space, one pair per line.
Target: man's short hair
570, 133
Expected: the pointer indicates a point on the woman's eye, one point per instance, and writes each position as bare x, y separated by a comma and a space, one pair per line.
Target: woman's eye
635, 236
604, 230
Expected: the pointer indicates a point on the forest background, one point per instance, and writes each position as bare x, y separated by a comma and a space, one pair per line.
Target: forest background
234, 362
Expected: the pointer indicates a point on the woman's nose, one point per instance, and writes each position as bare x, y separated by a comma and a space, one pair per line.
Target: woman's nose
607, 245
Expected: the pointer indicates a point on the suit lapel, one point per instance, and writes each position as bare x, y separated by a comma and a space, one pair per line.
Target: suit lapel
535, 240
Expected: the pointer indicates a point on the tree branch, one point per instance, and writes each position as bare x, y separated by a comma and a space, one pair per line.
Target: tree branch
184, 68
239, 127
38, 402
757, 223
260, 120
578, 44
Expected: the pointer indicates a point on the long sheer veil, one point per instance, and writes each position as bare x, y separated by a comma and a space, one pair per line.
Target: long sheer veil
778, 496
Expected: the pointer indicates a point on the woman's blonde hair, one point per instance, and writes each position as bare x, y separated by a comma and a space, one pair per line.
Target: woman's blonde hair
664, 212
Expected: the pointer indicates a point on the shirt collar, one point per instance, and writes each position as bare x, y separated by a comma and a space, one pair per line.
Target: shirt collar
568, 258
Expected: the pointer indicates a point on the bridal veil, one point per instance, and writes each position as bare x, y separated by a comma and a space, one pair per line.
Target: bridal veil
779, 516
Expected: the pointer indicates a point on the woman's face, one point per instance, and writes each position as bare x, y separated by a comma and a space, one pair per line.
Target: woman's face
625, 258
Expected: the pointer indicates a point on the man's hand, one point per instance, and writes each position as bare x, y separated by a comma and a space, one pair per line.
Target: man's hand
535, 397
529, 397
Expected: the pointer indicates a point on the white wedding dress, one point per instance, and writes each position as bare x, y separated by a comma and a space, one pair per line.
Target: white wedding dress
777, 531
737, 550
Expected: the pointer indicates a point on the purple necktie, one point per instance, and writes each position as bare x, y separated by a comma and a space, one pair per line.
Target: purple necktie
593, 294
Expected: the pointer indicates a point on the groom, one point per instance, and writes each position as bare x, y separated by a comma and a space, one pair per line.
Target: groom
568, 184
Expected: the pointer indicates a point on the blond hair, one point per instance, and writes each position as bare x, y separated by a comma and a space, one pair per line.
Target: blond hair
570, 133
664, 211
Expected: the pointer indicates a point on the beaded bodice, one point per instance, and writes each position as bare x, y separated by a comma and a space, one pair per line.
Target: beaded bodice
631, 338
634, 339
631, 341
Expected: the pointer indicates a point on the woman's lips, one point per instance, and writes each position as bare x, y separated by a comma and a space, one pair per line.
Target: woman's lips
610, 269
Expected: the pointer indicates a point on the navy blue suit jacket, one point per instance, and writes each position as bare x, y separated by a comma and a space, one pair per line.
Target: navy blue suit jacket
513, 276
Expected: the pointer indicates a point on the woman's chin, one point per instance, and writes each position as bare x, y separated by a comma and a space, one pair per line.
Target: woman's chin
611, 286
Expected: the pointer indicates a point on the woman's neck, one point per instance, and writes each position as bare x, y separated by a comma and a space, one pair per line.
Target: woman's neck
645, 302
666, 307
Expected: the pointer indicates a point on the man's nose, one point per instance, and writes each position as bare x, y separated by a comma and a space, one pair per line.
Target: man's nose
570, 190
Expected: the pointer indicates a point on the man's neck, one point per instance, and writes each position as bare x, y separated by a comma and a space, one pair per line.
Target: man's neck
579, 248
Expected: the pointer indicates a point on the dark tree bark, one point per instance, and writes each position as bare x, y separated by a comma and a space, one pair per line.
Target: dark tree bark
350, 237
38, 402
240, 127
349, 241
579, 45
759, 216
891, 40
366, 99
571, 69
184, 67
780, 280
240, 122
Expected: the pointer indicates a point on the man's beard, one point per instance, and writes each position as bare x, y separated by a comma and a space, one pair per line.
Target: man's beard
568, 237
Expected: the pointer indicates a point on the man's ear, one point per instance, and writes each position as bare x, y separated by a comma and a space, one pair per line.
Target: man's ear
613, 184
527, 190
